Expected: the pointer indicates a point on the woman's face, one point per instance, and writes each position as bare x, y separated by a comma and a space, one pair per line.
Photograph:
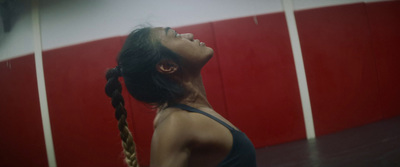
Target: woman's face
194, 53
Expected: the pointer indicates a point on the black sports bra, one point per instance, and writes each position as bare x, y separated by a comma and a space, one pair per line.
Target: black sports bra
242, 153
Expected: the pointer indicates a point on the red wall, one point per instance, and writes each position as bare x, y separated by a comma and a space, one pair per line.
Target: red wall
350, 57
259, 78
349, 54
84, 129
340, 67
385, 39
22, 138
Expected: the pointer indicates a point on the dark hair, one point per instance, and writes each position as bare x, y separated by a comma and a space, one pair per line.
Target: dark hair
138, 60
137, 63
113, 90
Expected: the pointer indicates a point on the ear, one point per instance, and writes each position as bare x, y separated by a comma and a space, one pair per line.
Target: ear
167, 67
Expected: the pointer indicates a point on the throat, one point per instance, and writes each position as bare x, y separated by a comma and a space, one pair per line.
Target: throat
196, 95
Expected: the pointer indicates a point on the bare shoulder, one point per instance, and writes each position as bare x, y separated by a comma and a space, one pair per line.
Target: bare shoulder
189, 126
189, 137
174, 127
172, 137
172, 120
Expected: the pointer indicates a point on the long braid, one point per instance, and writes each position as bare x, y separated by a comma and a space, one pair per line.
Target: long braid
113, 89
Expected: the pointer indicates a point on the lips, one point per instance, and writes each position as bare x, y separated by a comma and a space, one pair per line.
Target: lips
200, 43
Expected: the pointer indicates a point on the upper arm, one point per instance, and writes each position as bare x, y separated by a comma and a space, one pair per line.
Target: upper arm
170, 143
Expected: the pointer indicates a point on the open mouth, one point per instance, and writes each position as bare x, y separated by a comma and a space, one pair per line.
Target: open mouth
200, 43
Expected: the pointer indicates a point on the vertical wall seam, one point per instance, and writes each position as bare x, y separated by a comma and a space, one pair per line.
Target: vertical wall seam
37, 40
374, 55
220, 71
299, 65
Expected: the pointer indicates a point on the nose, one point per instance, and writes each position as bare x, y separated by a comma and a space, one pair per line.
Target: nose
188, 36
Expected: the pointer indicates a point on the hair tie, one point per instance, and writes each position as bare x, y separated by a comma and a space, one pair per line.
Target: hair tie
113, 73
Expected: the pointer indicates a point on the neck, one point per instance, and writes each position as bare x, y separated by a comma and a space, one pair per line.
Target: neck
197, 94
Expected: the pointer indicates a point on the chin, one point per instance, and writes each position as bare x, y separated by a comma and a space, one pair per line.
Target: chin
211, 51
210, 54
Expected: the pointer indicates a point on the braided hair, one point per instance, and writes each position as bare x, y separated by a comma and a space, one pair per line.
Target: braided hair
113, 89
137, 63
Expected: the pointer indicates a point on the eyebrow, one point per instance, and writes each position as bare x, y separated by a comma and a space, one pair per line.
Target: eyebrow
166, 30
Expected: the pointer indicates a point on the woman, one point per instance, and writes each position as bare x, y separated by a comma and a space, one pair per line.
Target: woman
162, 68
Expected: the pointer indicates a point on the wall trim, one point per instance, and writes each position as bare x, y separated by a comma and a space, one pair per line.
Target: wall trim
37, 40
300, 71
